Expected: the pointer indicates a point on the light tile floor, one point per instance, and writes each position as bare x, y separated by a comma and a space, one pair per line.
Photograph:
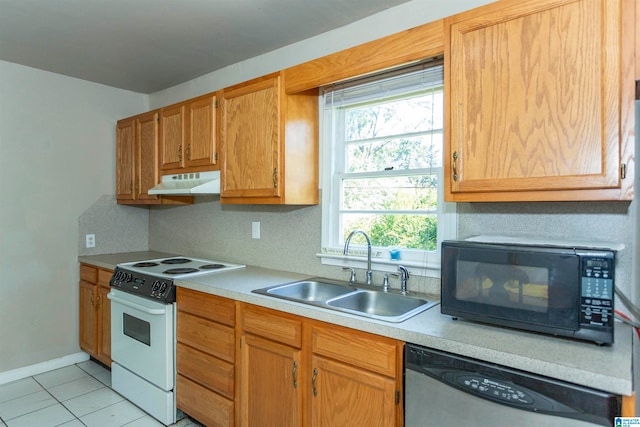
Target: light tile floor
77, 395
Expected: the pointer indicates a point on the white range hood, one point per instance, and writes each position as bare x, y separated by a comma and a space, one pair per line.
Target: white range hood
188, 184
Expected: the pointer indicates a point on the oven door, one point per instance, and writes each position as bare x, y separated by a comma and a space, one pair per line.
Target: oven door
142, 337
532, 288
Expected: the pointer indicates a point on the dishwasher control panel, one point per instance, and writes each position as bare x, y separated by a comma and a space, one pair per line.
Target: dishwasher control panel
493, 389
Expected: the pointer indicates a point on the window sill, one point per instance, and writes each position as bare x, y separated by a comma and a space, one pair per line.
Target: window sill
385, 265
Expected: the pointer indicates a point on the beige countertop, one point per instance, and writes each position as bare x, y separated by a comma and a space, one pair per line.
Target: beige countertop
607, 368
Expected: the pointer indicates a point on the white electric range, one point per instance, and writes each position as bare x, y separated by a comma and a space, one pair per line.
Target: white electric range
143, 342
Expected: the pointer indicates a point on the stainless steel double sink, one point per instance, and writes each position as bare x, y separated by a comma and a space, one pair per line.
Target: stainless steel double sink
354, 299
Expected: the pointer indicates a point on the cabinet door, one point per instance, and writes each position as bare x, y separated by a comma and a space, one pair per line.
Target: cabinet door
147, 151
104, 326
270, 386
125, 149
251, 139
343, 395
201, 132
172, 137
88, 317
534, 96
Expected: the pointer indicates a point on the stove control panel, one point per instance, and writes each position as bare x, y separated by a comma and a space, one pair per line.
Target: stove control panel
144, 285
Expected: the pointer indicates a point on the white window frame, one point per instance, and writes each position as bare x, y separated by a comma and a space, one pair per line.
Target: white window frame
421, 262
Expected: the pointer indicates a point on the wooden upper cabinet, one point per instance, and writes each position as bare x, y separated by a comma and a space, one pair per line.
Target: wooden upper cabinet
147, 155
251, 135
201, 149
125, 151
137, 158
172, 137
539, 98
269, 144
137, 161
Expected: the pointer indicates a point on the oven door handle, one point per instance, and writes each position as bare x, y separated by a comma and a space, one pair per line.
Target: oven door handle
139, 307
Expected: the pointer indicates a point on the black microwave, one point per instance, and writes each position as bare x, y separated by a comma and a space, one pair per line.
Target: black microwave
555, 290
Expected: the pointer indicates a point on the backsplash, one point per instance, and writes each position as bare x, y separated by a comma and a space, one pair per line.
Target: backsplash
290, 236
118, 228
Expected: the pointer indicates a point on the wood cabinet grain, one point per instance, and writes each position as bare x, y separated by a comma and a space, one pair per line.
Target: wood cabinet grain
538, 97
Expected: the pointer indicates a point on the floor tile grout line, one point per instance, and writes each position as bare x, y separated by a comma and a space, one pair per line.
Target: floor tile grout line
35, 410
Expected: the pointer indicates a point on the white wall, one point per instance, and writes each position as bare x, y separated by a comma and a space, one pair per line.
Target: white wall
57, 158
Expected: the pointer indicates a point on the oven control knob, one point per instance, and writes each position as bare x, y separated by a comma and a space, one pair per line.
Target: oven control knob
156, 286
129, 277
163, 287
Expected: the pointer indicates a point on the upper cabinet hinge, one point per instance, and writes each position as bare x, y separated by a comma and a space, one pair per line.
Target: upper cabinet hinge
215, 104
623, 171
215, 156
397, 397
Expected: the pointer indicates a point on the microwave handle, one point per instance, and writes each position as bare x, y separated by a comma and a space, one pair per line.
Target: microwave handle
139, 307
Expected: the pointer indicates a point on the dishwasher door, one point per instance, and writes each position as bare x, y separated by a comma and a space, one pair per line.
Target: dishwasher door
446, 390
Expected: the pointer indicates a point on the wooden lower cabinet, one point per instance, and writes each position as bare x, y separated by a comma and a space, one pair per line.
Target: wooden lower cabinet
205, 357
201, 403
344, 395
356, 378
295, 371
269, 394
270, 374
95, 313
245, 365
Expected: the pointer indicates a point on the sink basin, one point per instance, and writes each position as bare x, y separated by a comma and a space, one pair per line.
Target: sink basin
310, 291
387, 306
392, 307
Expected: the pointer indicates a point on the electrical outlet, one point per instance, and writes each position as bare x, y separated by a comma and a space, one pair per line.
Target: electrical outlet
90, 240
255, 230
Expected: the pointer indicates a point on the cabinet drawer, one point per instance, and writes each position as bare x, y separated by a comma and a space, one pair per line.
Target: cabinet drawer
205, 335
104, 276
88, 273
372, 352
212, 307
269, 324
209, 371
202, 404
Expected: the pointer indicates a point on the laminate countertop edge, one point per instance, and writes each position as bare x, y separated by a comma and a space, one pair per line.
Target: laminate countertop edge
606, 368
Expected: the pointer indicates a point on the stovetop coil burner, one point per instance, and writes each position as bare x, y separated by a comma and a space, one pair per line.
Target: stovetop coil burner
185, 270
211, 266
145, 264
171, 261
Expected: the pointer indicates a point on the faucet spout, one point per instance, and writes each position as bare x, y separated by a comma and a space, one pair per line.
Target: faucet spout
346, 251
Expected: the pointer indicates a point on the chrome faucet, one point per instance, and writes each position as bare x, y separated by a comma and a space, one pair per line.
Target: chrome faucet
346, 251
404, 276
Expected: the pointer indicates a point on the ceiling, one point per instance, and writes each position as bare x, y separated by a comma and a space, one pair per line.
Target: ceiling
149, 45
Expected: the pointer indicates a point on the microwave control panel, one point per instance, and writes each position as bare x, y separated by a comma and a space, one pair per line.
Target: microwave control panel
597, 281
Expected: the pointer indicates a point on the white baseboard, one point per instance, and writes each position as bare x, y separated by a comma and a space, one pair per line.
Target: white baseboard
38, 368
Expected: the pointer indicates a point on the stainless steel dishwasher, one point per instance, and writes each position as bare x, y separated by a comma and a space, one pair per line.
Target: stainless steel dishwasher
447, 390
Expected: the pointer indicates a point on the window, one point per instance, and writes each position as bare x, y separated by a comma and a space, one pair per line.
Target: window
382, 162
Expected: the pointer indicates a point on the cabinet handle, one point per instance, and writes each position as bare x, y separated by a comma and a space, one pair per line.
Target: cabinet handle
313, 382
98, 301
275, 178
93, 303
455, 165
180, 153
189, 151
293, 374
